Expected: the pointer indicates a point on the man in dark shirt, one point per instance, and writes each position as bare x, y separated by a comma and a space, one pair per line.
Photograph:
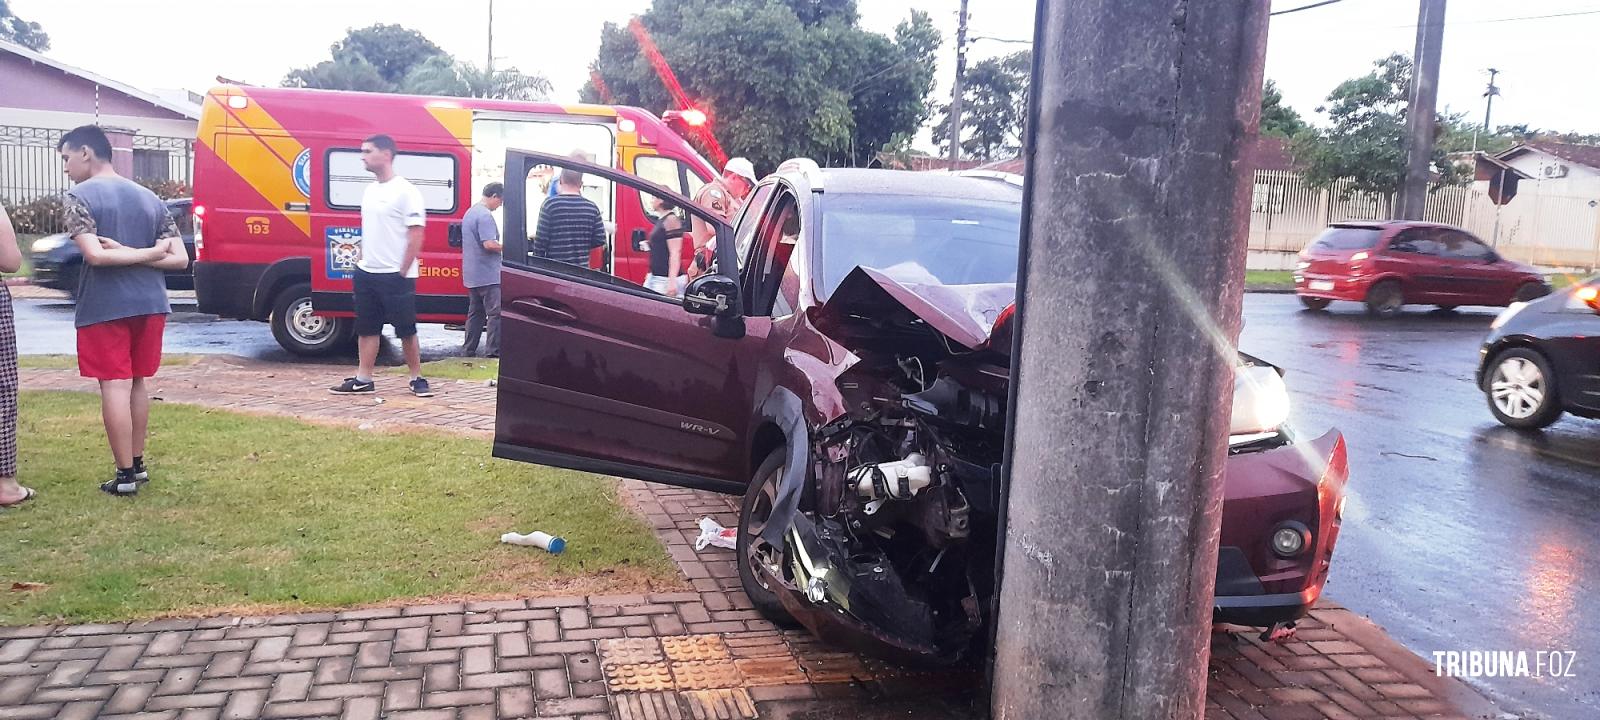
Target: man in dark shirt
569, 224
128, 239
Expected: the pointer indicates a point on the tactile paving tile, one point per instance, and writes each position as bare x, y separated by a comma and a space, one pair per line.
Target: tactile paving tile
834, 668
639, 677
702, 675
764, 671
695, 648
630, 651
648, 706
732, 704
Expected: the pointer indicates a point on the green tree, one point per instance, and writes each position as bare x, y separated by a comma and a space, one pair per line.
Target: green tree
1277, 118
1365, 140
16, 30
372, 59
779, 78
440, 75
994, 108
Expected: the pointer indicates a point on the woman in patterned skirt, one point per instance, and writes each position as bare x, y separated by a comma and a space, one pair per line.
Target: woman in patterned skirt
11, 494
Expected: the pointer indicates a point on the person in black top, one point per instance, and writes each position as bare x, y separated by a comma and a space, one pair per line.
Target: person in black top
666, 250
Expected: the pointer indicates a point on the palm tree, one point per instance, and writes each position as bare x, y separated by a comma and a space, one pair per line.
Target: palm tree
443, 76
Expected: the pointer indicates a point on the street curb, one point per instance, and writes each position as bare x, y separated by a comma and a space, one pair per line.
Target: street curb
1269, 290
1375, 640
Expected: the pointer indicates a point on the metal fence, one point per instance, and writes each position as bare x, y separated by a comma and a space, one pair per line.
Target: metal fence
32, 181
1536, 226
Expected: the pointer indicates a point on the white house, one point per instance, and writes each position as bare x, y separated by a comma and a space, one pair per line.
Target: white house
1540, 201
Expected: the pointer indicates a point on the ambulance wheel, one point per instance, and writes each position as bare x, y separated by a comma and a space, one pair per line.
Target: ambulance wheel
306, 334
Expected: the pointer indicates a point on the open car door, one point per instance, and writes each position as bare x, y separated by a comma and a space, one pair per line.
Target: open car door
603, 375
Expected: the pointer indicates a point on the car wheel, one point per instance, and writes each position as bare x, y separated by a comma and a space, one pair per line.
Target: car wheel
754, 552
69, 279
1315, 303
1530, 291
1385, 299
306, 334
1521, 390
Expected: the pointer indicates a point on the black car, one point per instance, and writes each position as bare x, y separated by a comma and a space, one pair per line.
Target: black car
1542, 358
57, 261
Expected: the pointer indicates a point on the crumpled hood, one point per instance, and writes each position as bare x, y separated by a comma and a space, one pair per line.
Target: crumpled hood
964, 313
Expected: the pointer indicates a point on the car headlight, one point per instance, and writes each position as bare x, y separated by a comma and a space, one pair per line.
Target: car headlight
1260, 401
1506, 314
48, 243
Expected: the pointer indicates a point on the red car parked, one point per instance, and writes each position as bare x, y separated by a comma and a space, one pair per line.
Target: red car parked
1390, 264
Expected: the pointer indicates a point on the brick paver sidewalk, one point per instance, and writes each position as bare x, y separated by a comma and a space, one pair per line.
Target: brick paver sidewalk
698, 654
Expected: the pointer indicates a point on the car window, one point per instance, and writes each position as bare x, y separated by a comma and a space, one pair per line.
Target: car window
183, 217
433, 174
779, 236
746, 221
667, 173
914, 239
1347, 238
1417, 241
1460, 245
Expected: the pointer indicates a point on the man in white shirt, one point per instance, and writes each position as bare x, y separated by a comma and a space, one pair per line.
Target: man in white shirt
392, 218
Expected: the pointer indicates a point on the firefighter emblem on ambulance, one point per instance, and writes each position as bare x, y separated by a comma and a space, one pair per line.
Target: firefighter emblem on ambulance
344, 249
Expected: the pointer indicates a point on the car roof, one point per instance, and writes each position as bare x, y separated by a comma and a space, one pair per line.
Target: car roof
862, 181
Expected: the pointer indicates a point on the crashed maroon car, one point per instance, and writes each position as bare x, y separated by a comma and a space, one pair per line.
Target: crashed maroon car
846, 372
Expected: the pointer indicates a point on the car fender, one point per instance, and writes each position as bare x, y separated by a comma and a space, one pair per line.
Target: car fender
782, 407
279, 275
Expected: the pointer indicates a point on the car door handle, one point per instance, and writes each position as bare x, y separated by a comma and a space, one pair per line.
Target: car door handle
543, 309
297, 206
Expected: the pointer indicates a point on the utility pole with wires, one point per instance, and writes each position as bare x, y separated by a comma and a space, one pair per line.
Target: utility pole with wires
1420, 111
955, 100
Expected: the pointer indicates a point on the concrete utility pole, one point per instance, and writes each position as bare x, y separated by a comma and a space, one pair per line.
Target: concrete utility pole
1420, 110
488, 65
1488, 105
1123, 376
955, 100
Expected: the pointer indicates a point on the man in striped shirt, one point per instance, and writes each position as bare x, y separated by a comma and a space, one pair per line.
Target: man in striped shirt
569, 224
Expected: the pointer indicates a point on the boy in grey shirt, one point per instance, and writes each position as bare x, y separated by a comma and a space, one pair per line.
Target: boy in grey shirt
480, 271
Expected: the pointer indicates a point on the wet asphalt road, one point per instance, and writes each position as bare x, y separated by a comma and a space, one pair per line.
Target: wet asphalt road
1459, 534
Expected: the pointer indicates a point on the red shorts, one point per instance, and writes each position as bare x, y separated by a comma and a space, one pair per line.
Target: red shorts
121, 349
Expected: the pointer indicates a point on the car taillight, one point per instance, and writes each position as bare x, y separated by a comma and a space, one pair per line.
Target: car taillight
199, 230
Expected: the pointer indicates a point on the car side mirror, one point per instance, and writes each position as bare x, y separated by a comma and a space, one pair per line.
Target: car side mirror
1491, 258
714, 295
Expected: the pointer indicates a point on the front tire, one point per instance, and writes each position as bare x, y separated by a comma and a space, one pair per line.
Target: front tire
1530, 291
1521, 390
306, 334
1315, 303
754, 513
1385, 299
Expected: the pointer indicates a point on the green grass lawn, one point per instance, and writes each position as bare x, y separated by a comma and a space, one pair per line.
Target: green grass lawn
248, 514
457, 369
65, 362
1269, 279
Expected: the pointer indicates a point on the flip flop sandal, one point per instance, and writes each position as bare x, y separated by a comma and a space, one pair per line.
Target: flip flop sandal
28, 494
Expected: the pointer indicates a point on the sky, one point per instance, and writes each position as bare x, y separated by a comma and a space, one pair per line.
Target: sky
1546, 64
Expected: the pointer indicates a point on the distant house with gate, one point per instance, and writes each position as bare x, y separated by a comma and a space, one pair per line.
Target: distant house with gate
41, 98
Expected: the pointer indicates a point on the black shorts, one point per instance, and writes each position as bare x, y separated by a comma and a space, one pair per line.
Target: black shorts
385, 299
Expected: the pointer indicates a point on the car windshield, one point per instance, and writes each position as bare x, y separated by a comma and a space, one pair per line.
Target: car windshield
1348, 238
928, 240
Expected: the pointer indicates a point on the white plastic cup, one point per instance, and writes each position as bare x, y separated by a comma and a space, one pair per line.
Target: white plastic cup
544, 541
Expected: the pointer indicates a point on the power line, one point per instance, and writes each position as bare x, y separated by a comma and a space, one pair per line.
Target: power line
1306, 7
1514, 19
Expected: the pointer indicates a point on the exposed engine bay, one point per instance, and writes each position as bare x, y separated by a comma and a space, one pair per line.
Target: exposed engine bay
890, 546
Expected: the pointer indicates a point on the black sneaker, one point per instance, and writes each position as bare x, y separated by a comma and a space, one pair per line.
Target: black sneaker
140, 474
352, 386
122, 485
419, 388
